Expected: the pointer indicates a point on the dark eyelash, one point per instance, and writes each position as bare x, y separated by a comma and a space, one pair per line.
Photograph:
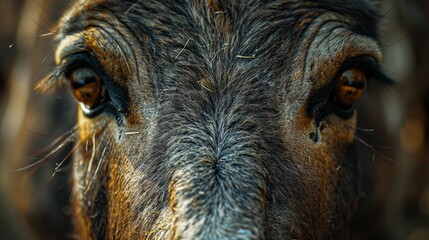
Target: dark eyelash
318, 100
79, 60
371, 68
59, 77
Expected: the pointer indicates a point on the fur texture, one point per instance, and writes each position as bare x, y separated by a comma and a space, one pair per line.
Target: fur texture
209, 133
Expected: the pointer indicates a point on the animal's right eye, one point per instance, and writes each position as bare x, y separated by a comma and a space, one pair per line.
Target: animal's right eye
87, 88
348, 90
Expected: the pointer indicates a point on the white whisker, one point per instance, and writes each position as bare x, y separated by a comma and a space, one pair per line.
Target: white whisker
61, 141
91, 160
375, 151
100, 161
58, 167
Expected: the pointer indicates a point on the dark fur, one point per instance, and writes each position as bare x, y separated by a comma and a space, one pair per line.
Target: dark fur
206, 87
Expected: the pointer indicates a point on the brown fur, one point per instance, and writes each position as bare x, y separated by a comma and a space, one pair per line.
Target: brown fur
220, 123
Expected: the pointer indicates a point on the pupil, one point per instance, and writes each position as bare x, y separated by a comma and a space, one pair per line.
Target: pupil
353, 78
82, 77
356, 84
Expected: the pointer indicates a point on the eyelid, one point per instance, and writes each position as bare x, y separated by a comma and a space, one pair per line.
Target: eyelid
370, 67
70, 45
79, 60
118, 95
58, 77
366, 63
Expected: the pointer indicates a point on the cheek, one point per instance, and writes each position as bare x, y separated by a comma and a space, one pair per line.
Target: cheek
338, 134
85, 129
338, 145
310, 153
324, 164
97, 127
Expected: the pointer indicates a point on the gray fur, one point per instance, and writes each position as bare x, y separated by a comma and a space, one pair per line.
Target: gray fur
218, 99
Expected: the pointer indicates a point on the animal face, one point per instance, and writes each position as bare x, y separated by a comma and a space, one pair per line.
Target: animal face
216, 119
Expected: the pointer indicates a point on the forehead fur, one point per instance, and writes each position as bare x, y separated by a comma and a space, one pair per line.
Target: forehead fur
362, 13
210, 36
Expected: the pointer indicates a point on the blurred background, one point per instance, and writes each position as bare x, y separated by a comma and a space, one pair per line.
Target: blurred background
393, 134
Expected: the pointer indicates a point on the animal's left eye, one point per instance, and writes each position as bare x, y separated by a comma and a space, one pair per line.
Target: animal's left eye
87, 88
349, 89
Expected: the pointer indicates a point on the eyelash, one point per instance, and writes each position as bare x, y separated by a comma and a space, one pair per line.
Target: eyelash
371, 68
117, 95
319, 104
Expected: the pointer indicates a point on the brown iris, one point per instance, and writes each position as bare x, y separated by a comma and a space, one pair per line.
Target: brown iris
87, 88
350, 87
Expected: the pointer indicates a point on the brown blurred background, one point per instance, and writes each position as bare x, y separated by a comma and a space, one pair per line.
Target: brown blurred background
393, 137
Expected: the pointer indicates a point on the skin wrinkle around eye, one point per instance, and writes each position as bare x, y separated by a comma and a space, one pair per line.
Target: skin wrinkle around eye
330, 43
101, 46
338, 49
105, 44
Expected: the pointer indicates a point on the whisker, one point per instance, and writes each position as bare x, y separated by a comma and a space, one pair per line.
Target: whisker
375, 151
395, 41
91, 160
371, 132
68, 155
60, 138
58, 167
46, 34
51, 15
388, 10
100, 161
365, 129
86, 145
41, 134
60, 147
44, 59
61, 141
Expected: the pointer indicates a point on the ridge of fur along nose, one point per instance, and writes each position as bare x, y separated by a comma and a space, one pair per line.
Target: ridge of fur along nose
218, 185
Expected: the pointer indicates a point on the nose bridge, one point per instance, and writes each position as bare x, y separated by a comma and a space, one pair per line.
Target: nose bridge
218, 176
